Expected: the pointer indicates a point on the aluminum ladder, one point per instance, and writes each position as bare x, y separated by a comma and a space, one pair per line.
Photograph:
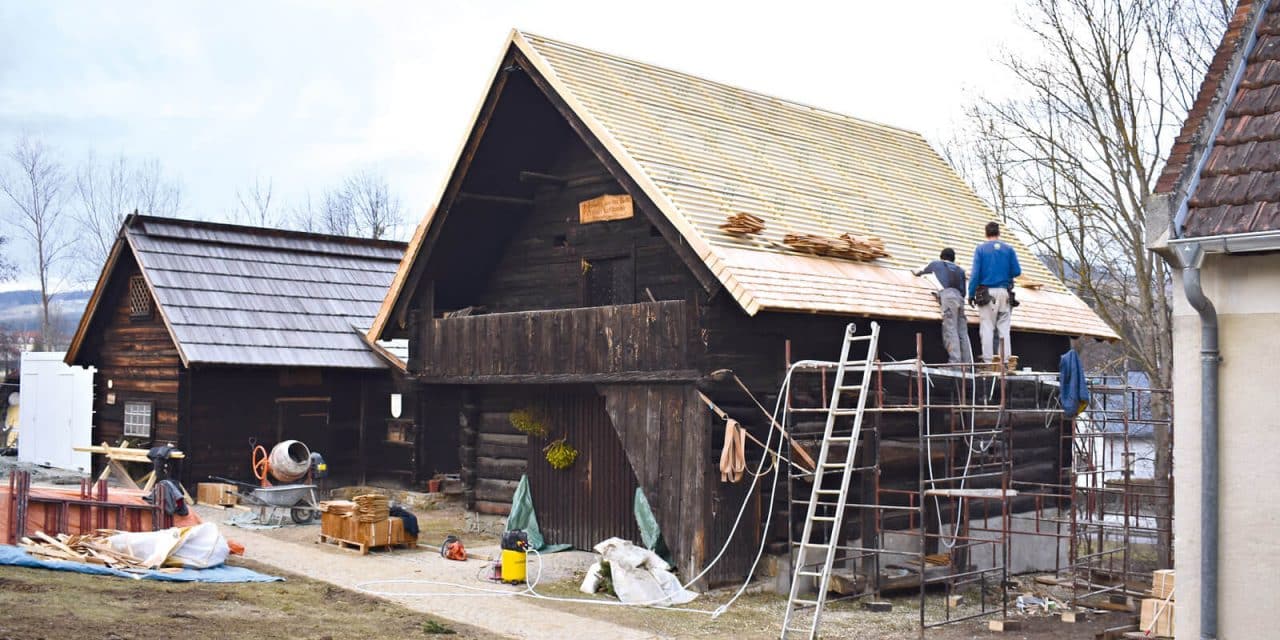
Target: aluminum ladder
793, 622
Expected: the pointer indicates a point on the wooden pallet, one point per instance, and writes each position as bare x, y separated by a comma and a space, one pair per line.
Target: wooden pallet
362, 547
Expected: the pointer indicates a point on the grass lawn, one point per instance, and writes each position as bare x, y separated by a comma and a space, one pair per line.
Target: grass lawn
53, 605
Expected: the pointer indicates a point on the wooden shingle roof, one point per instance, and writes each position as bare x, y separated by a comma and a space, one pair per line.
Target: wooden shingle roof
234, 295
702, 151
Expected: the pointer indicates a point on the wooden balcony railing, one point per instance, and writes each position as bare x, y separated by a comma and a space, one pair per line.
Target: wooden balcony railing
634, 342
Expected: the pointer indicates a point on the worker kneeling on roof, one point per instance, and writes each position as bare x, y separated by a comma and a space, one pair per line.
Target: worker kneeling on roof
955, 329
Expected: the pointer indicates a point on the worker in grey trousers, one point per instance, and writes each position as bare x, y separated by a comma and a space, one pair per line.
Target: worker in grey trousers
995, 265
955, 329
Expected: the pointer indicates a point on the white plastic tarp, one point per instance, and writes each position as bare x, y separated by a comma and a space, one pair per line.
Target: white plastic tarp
639, 575
198, 547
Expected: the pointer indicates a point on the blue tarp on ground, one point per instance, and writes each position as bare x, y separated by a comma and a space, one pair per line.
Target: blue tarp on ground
16, 557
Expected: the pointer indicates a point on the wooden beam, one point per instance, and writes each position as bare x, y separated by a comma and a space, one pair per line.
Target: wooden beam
566, 378
533, 177
492, 199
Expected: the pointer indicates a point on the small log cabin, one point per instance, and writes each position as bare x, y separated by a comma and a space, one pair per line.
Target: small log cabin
212, 336
576, 263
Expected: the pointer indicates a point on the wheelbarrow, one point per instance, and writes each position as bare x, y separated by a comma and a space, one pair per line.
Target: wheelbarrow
298, 501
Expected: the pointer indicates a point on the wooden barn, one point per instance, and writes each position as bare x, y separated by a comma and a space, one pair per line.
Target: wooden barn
213, 336
581, 266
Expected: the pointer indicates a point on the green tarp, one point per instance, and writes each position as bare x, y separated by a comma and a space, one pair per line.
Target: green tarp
650, 533
523, 517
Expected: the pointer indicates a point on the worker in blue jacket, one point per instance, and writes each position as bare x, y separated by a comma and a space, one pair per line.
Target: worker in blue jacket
995, 265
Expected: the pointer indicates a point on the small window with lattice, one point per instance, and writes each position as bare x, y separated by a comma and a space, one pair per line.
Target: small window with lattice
139, 298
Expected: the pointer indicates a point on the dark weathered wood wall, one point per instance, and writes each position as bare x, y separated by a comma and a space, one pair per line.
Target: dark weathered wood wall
139, 359
493, 453
664, 431
537, 346
542, 265
231, 405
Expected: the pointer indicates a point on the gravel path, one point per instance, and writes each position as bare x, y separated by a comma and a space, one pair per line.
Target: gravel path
514, 617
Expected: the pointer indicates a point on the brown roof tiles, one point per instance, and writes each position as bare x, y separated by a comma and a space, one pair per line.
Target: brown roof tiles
1239, 188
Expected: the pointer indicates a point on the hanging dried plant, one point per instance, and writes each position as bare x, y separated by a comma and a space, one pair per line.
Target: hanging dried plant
560, 454
528, 422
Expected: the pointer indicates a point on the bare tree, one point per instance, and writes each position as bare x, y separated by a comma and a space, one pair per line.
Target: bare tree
336, 216
8, 270
108, 191
363, 205
303, 215
255, 204
155, 193
34, 186
1071, 161
374, 208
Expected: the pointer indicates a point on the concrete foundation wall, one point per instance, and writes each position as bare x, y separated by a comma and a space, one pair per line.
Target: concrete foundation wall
1246, 292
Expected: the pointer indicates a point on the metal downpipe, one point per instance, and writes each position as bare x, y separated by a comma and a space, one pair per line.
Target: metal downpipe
1209, 361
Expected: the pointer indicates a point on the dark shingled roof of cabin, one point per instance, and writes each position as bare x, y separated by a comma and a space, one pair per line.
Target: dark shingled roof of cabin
236, 295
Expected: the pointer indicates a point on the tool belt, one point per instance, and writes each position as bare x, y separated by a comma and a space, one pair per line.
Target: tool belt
982, 297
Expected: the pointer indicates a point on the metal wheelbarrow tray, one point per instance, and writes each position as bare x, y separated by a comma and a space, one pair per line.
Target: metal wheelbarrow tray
299, 500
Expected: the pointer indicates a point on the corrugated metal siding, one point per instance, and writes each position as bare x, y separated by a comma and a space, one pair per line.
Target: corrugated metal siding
592, 500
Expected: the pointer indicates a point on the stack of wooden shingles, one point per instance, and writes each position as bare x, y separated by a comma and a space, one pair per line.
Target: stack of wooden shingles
338, 507
90, 548
743, 224
847, 245
371, 508
1157, 611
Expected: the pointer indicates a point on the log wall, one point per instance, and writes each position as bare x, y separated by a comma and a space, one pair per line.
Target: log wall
140, 361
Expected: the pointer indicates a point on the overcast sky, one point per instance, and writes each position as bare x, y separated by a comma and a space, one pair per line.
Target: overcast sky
305, 93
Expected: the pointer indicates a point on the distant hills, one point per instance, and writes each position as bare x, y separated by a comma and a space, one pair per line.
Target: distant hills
20, 310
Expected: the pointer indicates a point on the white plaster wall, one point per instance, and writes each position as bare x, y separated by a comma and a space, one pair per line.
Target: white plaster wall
1246, 292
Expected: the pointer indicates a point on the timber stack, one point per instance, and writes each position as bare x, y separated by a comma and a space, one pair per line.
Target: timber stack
846, 245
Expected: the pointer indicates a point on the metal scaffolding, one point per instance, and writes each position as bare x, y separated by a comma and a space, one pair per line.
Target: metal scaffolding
983, 440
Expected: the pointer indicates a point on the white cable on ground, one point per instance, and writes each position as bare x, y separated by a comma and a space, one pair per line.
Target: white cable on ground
487, 592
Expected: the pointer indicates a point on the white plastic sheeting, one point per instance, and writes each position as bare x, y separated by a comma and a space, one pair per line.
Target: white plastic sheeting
639, 575
198, 547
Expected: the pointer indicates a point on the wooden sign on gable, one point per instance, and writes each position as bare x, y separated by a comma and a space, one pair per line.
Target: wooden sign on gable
605, 208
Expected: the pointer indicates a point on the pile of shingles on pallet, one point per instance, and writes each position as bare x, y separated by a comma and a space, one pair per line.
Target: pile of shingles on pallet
372, 508
338, 507
90, 548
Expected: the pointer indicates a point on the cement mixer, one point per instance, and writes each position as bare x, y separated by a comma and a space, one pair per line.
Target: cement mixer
289, 461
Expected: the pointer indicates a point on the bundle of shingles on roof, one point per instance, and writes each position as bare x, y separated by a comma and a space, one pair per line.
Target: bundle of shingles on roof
743, 224
89, 548
846, 245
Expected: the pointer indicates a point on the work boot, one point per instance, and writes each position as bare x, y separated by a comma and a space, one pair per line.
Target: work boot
1012, 364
